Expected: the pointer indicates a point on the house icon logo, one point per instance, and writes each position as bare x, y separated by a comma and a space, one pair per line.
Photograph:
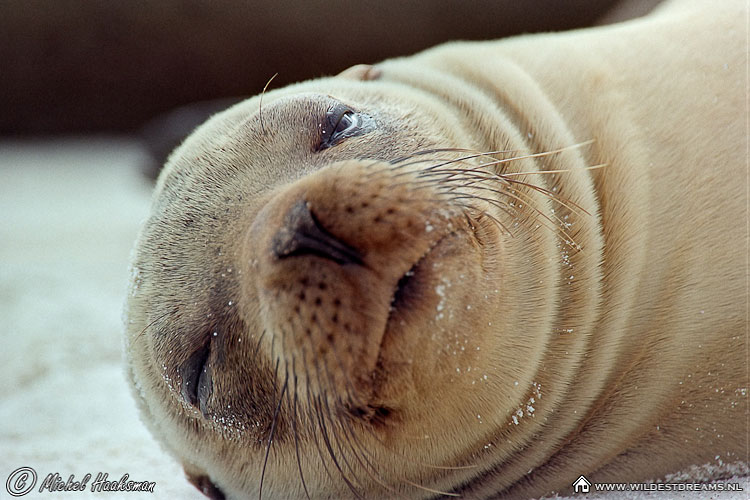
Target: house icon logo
581, 485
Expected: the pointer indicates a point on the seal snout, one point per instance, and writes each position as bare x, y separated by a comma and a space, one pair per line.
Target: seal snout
302, 234
333, 253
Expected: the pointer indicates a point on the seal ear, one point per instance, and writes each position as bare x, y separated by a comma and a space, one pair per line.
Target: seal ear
205, 485
362, 72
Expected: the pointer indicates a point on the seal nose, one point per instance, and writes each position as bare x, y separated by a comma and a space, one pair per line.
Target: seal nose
302, 234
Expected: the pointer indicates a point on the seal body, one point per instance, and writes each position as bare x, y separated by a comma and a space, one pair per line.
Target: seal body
483, 270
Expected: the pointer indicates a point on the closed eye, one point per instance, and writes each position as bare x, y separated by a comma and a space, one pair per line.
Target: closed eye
196, 384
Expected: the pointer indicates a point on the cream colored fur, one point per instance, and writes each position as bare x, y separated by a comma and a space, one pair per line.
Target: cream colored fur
624, 360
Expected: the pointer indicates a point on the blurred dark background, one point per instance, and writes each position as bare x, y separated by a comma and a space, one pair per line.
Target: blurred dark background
81, 66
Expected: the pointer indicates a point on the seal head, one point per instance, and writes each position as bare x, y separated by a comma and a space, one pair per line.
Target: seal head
321, 272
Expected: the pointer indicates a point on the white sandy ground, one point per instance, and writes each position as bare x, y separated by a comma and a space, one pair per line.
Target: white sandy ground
69, 213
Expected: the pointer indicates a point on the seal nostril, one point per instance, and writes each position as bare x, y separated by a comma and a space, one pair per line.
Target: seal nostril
303, 235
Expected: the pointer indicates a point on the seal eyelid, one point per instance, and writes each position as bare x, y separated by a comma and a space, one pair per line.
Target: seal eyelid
196, 374
342, 122
348, 122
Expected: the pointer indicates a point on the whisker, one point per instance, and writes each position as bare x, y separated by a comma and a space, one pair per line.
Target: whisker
313, 417
539, 155
473, 154
152, 323
360, 451
553, 228
521, 198
478, 175
394, 170
410, 461
260, 103
467, 209
295, 415
270, 436
431, 490
456, 194
495, 203
474, 180
333, 421
559, 171
326, 441
315, 403
567, 203
411, 483
495, 160
257, 345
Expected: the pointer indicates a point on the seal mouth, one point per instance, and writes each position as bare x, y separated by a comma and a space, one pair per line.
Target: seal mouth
411, 287
409, 294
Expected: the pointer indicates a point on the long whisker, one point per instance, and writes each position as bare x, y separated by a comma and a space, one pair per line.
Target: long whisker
257, 345
152, 323
410, 461
468, 209
521, 198
567, 203
327, 442
295, 416
478, 175
472, 153
539, 155
431, 490
559, 171
475, 179
361, 454
271, 434
333, 421
316, 404
260, 103
411, 483
471, 177
503, 160
312, 415
456, 195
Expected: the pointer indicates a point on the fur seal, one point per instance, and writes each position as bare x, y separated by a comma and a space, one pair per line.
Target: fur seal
480, 271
